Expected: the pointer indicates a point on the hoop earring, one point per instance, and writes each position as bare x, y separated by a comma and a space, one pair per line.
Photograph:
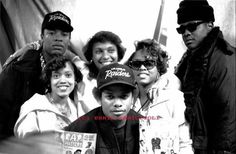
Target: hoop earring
76, 83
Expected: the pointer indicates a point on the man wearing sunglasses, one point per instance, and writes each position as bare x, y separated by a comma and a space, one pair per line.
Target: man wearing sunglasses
207, 74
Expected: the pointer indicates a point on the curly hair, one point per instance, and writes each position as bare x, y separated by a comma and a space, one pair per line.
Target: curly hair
155, 52
54, 65
101, 37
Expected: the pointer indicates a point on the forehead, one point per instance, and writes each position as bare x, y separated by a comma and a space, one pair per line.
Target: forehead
141, 55
103, 45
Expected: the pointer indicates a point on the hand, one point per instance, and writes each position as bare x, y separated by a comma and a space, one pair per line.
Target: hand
30, 46
151, 93
19, 54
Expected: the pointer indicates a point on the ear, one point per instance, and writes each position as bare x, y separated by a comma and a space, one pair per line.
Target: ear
136, 90
210, 25
97, 93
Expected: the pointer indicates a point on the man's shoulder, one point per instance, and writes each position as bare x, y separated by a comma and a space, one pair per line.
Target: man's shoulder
223, 56
134, 116
28, 62
85, 123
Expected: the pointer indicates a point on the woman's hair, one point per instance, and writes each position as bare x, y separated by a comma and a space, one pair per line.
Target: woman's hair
101, 37
54, 65
155, 52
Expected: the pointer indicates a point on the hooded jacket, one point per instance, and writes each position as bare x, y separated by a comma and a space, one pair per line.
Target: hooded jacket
165, 123
38, 115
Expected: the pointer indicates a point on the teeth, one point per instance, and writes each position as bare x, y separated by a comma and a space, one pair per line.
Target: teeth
63, 88
142, 75
106, 63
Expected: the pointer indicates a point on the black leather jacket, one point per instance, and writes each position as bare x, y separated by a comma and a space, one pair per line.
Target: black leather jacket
208, 82
19, 80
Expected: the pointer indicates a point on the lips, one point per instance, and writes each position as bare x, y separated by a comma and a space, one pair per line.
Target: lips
188, 41
58, 46
143, 75
118, 112
106, 62
64, 87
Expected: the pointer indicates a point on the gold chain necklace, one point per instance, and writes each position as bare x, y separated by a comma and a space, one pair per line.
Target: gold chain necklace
63, 109
42, 61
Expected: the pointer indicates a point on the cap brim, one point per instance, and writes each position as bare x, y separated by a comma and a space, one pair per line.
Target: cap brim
59, 25
117, 82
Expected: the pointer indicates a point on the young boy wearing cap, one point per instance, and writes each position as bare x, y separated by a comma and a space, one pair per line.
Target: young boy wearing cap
20, 80
207, 73
116, 125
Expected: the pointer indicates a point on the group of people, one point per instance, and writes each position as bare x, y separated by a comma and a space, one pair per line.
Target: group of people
49, 89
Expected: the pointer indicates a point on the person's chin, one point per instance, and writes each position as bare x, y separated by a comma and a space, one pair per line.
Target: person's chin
103, 64
58, 52
121, 116
143, 81
66, 94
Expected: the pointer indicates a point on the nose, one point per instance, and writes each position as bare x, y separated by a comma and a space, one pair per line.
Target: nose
117, 103
142, 67
63, 79
58, 36
186, 32
105, 54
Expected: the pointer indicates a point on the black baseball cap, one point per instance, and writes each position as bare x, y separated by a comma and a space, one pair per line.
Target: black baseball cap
57, 20
115, 73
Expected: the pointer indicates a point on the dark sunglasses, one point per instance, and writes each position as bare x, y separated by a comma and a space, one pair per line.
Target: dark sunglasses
149, 64
190, 27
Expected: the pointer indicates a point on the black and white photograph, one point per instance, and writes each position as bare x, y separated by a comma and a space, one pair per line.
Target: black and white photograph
143, 76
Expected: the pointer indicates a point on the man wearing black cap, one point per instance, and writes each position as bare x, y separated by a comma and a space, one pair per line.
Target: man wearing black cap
116, 125
207, 73
19, 80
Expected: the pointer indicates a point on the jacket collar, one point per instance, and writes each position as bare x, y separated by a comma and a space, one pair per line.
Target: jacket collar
107, 130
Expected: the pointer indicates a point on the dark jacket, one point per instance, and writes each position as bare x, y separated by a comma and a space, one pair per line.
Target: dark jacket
19, 80
208, 82
106, 140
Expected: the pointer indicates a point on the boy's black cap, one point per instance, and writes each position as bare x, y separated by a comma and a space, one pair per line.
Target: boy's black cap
57, 20
115, 73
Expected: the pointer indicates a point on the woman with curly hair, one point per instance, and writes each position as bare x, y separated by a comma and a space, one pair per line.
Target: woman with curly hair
159, 100
55, 109
103, 48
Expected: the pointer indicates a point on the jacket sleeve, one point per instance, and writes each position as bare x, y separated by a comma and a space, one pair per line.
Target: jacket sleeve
221, 83
185, 142
8, 106
26, 125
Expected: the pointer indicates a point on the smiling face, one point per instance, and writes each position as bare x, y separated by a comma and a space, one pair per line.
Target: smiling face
116, 100
104, 54
62, 81
145, 77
